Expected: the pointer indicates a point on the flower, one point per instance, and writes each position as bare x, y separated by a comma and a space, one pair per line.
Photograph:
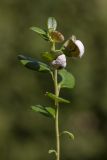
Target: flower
73, 47
59, 62
56, 36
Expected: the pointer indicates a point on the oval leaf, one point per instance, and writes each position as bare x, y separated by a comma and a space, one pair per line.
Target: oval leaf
52, 23
54, 97
33, 64
67, 79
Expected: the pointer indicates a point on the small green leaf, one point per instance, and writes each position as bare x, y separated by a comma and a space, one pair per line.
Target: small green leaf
40, 109
67, 79
52, 23
48, 56
41, 32
46, 111
52, 151
51, 111
54, 97
33, 64
69, 134
38, 30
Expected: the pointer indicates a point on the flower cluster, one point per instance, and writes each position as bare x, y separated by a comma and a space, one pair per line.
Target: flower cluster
71, 48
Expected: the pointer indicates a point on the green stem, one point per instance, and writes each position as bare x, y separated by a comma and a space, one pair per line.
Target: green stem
55, 78
53, 46
57, 116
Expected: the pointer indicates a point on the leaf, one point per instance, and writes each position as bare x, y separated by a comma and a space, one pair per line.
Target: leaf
33, 64
46, 111
71, 136
52, 151
49, 56
52, 23
40, 109
54, 97
41, 32
68, 80
38, 30
51, 111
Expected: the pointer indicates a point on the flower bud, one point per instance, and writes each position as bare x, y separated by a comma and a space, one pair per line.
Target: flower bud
56, 36
73, 48
60, 62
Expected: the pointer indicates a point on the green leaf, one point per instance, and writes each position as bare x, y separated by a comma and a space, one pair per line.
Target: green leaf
41, 32
52, 151
32, 64
48, 56
71, 136
46, 111
40, 109
38, 30
52, 23
54, 97
51, 111
67, 79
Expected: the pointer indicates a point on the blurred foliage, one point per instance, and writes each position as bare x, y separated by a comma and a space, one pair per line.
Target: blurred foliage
25, 135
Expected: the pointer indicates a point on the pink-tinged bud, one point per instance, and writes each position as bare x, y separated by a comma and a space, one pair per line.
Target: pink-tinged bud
60, 62
73, 48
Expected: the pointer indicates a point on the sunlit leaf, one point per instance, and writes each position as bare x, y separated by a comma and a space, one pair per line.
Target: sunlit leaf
67, 79
71, 136
54, 97
46, 111
33, 64
52, 23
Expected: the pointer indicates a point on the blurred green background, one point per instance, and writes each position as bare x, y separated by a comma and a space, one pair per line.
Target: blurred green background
25, 135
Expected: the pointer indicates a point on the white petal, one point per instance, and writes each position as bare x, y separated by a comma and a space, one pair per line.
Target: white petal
60, 61
80, 47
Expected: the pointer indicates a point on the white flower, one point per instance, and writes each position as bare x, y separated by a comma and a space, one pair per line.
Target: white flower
79, 46
60, 62
73, 48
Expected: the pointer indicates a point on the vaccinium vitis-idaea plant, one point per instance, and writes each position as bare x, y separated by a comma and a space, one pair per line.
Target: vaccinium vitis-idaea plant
56, 61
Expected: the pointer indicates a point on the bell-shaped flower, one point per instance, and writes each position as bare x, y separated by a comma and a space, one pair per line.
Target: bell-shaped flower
73, 48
